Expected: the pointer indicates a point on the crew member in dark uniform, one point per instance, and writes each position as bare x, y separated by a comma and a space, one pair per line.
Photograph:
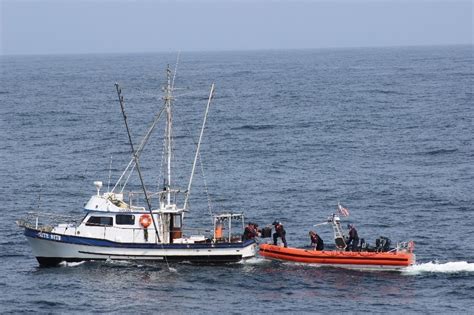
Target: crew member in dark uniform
250, 232
316, 241
353, 240
279, 233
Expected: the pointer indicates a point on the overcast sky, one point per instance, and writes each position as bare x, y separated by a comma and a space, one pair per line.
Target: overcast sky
75, 26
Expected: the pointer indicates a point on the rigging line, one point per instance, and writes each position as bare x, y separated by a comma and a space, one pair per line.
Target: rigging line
121, 176
188, 190
140, 149
206, 188
209, 206
128, 177
134, 153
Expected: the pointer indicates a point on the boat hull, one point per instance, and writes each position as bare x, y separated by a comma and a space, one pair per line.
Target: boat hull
50, 249
353, 260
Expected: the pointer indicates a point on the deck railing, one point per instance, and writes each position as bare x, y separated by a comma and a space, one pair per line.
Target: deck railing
46, 221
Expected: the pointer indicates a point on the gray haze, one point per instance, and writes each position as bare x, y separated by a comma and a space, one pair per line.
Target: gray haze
56, 27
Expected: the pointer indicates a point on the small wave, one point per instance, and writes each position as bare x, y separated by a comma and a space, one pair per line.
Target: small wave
11, 255
123, 263
305, 265
70, 177
440, 151
48, 303
254, 127
244, 72
173, 270
435, 267
195, 97
384, 92
254, 261
71, 264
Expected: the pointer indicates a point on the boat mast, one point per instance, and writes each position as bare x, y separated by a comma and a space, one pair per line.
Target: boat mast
168, 99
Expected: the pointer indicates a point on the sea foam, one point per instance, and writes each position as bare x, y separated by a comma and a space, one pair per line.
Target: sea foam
436, 267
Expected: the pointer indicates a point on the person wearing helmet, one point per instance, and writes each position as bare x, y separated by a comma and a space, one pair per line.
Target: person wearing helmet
353, 240
316, 241
279, 233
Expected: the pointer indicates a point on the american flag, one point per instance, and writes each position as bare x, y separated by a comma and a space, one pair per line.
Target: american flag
343, 211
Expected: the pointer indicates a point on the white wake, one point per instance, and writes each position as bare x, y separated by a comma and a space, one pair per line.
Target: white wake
254, 261
71, 264
436, 267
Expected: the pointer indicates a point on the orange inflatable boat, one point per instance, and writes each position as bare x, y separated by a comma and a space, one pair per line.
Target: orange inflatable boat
380, 257
392, 260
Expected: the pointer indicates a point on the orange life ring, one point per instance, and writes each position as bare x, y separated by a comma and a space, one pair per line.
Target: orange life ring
145, 220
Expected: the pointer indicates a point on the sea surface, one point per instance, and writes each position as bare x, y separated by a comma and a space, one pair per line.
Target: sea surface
387, 132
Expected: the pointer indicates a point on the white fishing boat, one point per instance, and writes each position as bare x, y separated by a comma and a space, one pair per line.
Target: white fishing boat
117, 227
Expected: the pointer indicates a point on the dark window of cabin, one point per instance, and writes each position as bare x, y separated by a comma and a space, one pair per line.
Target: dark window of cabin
101, 221
125, 219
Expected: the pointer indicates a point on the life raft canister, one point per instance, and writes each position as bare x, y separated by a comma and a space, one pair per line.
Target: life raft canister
145, 220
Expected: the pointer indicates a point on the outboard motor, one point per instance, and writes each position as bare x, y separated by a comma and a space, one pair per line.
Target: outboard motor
382, 244
387, 243
363, 245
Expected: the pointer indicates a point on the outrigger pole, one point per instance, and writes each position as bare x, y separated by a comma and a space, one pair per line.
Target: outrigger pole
188, 191
135, 157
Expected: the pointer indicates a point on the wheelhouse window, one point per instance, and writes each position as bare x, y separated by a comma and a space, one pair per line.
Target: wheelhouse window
100, 221
125, 219
177, 221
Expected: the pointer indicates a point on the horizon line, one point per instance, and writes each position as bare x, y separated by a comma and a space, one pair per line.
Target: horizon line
232, 50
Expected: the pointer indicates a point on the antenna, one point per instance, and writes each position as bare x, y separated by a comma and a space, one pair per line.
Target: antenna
168, 99
110, 174
175, 69
39, 196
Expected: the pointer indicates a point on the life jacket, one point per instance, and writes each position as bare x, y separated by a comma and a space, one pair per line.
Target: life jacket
353, 234
249, 233
320, 244
280, 231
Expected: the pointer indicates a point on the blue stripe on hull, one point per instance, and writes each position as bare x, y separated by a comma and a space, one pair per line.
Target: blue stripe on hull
70, 239
197, 260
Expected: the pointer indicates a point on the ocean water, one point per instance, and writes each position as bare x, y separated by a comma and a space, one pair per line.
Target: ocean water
388, 132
